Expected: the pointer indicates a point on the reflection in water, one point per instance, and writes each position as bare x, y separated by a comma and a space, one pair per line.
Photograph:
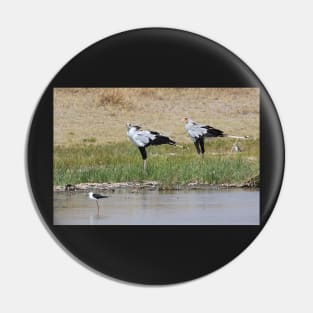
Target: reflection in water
193, 207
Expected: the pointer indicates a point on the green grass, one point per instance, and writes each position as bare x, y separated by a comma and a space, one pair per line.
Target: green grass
170, 166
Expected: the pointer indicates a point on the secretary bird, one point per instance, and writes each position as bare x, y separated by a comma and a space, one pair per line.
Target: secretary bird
144, 138
198, 132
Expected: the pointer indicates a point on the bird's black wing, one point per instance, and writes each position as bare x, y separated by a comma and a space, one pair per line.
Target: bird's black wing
161, 140
98, 196
213, 132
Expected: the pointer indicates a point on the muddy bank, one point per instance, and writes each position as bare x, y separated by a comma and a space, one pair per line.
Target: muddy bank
253, 183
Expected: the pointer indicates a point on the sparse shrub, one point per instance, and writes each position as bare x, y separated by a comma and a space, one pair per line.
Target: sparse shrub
111, 97
92, 139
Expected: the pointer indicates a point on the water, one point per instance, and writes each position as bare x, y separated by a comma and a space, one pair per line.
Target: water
193, 207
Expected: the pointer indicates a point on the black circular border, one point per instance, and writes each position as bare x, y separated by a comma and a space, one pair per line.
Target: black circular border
154, 57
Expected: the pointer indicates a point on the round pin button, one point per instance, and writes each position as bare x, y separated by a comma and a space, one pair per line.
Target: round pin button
155, 156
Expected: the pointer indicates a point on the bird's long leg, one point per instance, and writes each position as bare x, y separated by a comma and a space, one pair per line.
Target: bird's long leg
143, 153
97, 206
201, 141
197, 147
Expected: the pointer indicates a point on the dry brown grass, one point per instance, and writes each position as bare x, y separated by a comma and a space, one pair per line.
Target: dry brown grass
99, 115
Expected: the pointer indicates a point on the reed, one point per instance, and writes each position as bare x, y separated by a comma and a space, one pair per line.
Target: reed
169, 165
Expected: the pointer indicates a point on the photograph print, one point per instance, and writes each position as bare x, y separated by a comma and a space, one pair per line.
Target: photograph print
156, 156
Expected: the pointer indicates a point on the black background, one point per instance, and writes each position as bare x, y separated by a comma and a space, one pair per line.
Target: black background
154, 58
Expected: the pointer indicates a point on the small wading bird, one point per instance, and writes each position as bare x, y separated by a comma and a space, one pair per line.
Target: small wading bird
96, 196
70, 187
198, 132
144, 138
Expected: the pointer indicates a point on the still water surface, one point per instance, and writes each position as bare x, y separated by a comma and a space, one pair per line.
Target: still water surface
191, 207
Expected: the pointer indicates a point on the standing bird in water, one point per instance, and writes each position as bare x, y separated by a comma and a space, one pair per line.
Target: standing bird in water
96, 196
198, 132
145, 138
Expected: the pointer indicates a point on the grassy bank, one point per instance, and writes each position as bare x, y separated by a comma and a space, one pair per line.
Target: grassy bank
170, 166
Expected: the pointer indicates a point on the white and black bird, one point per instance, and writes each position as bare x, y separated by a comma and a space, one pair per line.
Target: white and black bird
96, 196
144, 138
198, 132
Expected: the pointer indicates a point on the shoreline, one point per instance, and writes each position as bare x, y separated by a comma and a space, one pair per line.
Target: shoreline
253, 183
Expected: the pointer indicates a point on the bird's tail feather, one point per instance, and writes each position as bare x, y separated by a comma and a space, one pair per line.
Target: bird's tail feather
236, 137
